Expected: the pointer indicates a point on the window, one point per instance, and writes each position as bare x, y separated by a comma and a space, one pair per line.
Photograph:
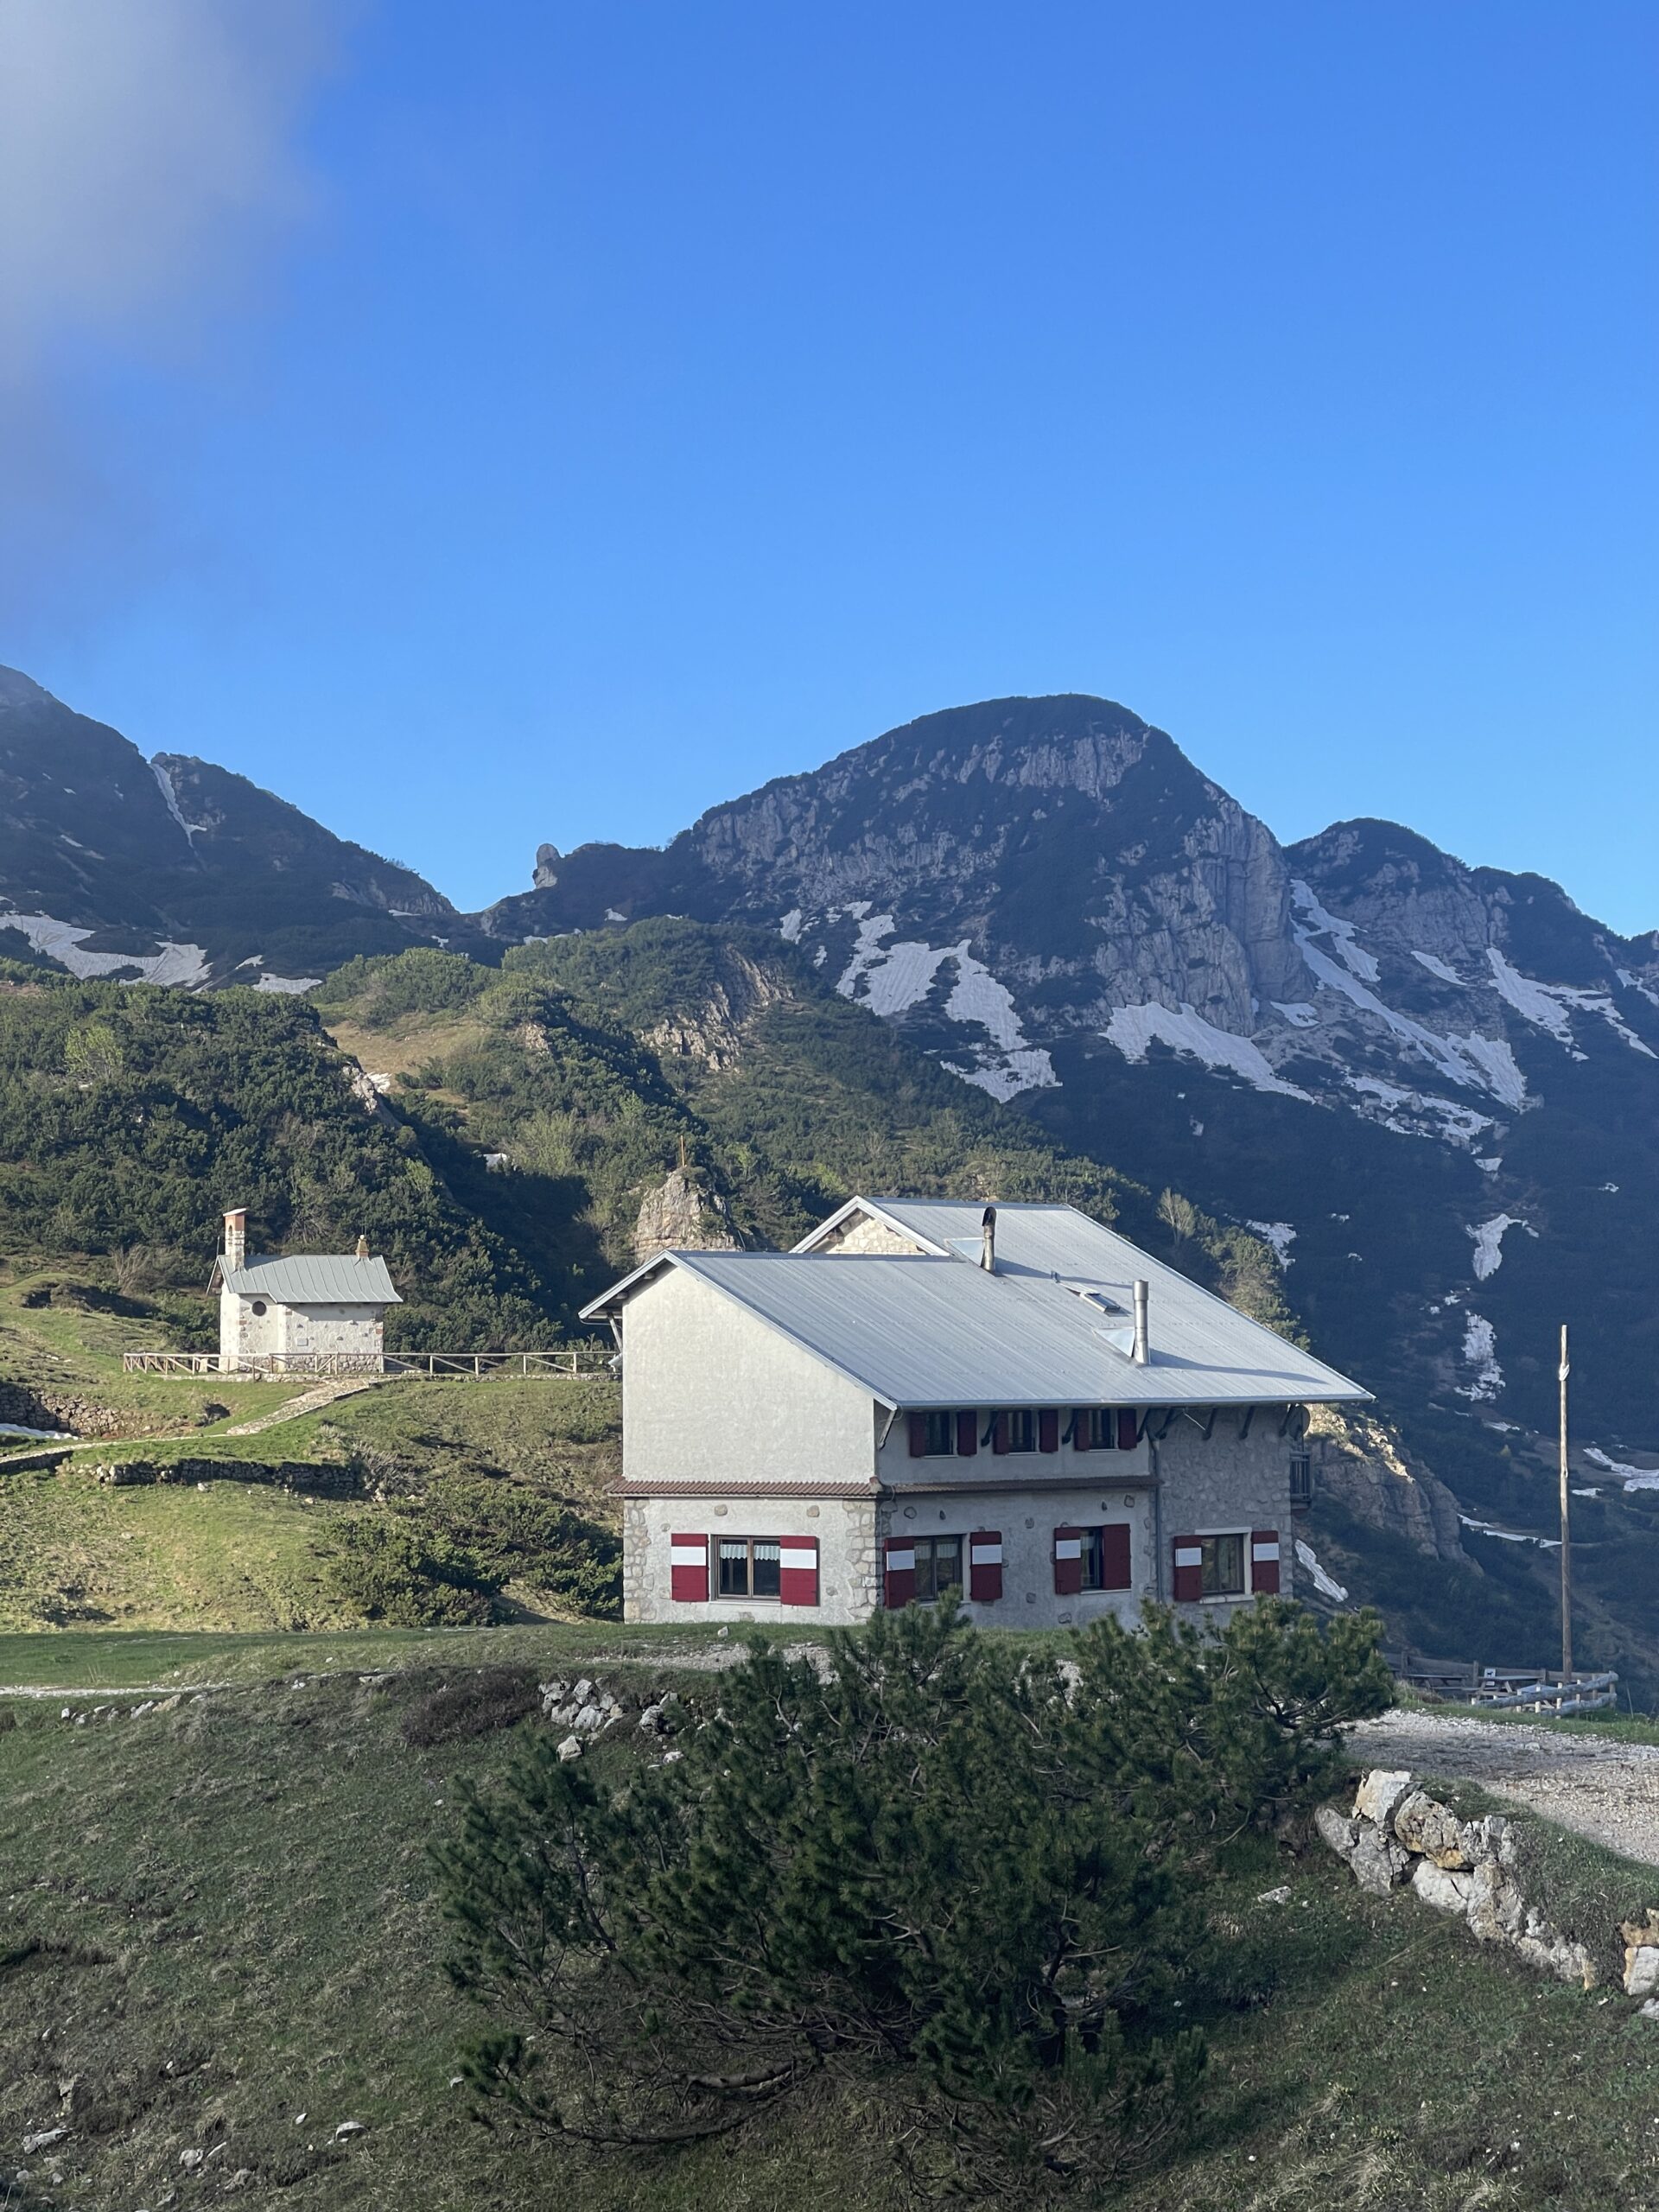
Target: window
1097, 1428
1022, 1429
1222, 1565
939, 1435
259, 1307
1301, 1481
1106, 1557
938, 1566
750, 1567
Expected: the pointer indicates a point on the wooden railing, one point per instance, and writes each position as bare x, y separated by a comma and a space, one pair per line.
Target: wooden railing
580, 1362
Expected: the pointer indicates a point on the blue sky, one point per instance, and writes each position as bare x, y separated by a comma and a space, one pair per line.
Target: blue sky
535, 421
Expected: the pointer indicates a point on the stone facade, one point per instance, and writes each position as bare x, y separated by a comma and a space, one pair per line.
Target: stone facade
252, 1329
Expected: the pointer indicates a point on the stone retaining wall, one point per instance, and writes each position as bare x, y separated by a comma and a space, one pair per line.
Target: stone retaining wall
1398, 1836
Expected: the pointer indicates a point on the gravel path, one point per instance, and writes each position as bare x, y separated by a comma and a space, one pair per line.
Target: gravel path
1607, 1789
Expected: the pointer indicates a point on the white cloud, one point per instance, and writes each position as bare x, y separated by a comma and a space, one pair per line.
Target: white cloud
145, 145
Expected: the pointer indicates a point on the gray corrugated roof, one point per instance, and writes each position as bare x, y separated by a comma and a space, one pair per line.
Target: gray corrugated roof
940, 1331
316, 1279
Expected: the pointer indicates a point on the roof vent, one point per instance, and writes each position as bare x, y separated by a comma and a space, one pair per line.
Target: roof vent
1143, 1334
987, 1241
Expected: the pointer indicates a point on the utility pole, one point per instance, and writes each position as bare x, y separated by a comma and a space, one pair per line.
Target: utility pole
1566, 1539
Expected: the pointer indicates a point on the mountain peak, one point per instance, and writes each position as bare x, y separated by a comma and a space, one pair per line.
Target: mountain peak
17, 689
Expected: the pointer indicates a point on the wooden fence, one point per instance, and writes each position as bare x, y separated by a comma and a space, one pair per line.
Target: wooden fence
1518, 1689
582, 1363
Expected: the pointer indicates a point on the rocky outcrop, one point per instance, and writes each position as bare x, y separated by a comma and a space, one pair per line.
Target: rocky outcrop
1365, 1467
683, 1214
714, 1033
1398, 1835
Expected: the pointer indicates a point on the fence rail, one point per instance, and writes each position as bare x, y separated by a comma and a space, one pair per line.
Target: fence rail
581, 1364
1520, 1689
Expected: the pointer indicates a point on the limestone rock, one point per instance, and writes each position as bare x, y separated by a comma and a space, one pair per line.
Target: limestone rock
683, 1214
42, 2139
1379, 1863
1642, 1970
589, 1719
1381, 1791
1446, 1892
570, 1748
1337, 1830
1495, 1907
1424, 1824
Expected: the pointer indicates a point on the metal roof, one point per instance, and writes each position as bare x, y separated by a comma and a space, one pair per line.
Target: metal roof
936, 1330
313, 1279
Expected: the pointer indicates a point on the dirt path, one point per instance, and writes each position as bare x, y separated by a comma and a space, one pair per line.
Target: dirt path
1607, 1789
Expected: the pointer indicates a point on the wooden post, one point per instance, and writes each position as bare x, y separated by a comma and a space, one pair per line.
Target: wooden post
1567, 1538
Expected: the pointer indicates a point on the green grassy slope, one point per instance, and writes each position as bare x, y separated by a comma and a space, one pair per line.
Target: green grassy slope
220, 1918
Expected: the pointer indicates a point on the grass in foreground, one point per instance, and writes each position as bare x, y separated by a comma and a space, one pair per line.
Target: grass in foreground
219, 1919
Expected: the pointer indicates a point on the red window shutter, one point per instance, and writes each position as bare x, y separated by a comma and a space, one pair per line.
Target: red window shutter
918, 1436
1048, 1430
899, 1561
1115, 1569
1264, 1562
985, 1565
688, 1569
967, 1434
1129, 1428
1000, 1433
1189, 1571
1068, 1562
797, 1571
1080, 1429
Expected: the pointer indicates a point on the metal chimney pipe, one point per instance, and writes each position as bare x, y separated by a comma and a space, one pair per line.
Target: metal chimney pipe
1143, 1337
987, 1241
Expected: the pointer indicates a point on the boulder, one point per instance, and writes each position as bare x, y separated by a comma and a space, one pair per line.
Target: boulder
650, 1719
1338, 1831
1424, 1824
583, 1692
42, 2139
1381, 1791
570, 1748
1497, 1909
589, 1718
1642, 1970
1446, 1892
1379, 1863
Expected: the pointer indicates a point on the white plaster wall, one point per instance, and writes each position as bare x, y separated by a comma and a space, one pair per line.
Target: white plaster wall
848, 1587
1026, 1518
710, 1393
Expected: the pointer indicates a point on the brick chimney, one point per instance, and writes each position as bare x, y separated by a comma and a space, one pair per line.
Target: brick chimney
236, 1238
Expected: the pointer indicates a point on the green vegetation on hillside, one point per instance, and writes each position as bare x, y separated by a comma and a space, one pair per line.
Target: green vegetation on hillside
131, 1117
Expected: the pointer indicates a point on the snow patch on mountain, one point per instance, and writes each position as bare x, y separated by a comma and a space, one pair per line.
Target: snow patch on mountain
890, 978
1297, 1012
1418, 1113
184, 966
1632, 1478
1326, 1584
1480, 1352
1474, 1062
1278, 1234
1134, 1029
1436, 966
1318, 922
1550, 1006
1488, 1242
170, 800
